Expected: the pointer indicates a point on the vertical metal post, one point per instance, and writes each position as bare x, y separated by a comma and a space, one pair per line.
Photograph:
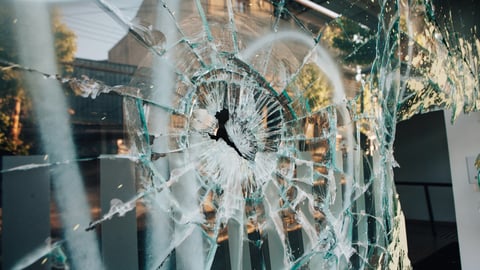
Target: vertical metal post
119, 235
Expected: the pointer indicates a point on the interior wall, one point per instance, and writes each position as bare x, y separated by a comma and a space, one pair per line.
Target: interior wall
464, 140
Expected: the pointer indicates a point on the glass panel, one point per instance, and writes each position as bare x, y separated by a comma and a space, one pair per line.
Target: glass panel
261, 132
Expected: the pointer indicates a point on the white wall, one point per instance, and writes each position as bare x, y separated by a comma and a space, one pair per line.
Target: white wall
464, 140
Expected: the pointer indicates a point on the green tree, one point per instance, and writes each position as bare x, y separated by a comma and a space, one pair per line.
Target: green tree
14, 103
65, 43
355, 43
313, 85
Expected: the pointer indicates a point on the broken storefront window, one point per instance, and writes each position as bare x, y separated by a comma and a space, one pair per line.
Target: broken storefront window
257, 127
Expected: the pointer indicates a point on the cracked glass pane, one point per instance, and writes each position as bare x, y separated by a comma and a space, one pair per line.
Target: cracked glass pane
261, 131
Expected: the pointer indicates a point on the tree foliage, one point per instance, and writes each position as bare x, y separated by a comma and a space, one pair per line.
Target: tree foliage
15, 106
65, 43
355, 43
314, 86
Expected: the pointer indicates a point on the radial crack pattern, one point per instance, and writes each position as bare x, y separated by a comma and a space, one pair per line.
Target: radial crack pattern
262, 132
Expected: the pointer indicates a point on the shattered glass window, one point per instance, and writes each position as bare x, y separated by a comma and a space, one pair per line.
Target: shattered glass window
261, 132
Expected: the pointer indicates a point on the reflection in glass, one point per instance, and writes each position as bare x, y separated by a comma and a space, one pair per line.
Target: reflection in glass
259, 129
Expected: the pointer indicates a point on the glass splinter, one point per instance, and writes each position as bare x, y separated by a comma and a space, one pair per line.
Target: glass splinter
262, 131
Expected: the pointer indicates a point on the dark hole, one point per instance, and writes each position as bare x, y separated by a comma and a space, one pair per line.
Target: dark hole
222, 117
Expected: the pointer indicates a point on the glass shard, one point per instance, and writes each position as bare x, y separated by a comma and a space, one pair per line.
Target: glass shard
264, 129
